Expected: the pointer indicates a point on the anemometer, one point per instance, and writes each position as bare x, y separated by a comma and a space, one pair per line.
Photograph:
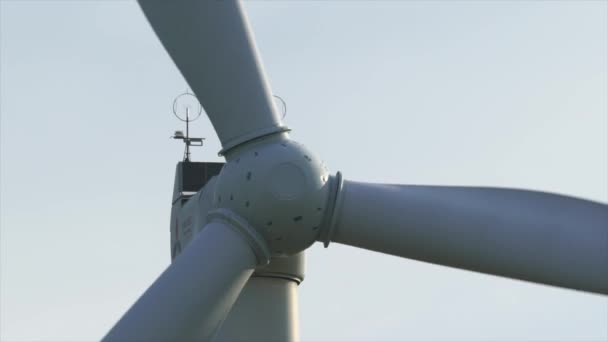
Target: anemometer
187, 109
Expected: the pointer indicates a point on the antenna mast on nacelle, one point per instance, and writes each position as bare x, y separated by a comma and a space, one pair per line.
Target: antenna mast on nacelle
184, 103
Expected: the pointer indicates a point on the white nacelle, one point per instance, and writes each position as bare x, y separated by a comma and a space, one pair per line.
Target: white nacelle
189, 219
280, 188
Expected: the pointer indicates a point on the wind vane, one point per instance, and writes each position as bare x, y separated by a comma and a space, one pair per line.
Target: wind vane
187, 108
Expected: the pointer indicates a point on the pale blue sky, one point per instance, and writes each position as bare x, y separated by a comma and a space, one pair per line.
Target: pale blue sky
502, 93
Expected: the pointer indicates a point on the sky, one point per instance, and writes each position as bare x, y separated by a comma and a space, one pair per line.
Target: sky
492, 93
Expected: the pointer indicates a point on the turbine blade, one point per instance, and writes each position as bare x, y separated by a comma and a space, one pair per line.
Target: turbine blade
534, 236
213, 46
193, 296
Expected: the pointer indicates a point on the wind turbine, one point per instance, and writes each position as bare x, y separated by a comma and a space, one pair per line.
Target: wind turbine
273, 198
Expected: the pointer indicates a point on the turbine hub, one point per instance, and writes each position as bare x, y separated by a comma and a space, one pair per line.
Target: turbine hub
280, 188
